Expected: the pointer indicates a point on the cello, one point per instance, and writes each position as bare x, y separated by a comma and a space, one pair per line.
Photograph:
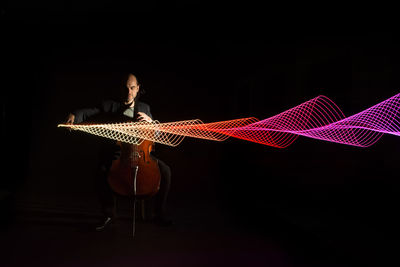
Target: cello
135, 173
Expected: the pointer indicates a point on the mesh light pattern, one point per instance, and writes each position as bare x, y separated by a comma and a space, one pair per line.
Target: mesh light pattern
319, 118
171, 133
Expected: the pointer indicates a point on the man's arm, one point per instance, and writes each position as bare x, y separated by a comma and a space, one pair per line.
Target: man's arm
144, 117
82, 115
145, 114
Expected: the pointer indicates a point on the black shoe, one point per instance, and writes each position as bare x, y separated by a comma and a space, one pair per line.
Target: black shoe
105, 224
163, 221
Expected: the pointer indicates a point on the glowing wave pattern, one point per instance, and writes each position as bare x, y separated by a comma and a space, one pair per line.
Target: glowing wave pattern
318, 118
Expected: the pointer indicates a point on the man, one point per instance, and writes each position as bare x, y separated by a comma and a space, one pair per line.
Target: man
128, 109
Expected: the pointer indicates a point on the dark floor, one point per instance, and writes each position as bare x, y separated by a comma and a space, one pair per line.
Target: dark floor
198, 238
67, 245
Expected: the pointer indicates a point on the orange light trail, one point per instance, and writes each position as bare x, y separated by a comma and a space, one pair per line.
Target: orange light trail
318, 118
171, 133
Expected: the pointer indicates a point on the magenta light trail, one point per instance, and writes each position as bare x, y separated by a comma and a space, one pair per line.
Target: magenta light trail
319, 118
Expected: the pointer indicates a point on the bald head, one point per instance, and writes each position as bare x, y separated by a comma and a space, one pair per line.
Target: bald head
131, 79
130, 89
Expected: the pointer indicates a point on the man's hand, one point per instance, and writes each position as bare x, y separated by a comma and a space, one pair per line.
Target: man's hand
144, 117
70, 119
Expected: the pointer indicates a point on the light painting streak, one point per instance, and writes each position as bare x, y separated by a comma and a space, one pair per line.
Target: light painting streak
319, 118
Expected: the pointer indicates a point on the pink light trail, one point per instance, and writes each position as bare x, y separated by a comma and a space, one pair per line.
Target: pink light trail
319, 118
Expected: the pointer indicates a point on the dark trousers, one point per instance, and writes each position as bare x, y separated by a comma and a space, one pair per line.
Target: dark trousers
108, 198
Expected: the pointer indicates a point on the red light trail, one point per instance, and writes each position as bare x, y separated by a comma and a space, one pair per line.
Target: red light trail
318, 118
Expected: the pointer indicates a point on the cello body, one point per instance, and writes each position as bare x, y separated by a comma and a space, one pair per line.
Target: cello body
135, 172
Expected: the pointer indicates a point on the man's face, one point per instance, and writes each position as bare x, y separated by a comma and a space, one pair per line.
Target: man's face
131, 89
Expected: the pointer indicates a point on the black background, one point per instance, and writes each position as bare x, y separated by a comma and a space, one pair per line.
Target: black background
211, 62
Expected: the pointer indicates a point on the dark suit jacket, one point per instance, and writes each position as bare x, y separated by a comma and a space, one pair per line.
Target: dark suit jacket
109, 112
